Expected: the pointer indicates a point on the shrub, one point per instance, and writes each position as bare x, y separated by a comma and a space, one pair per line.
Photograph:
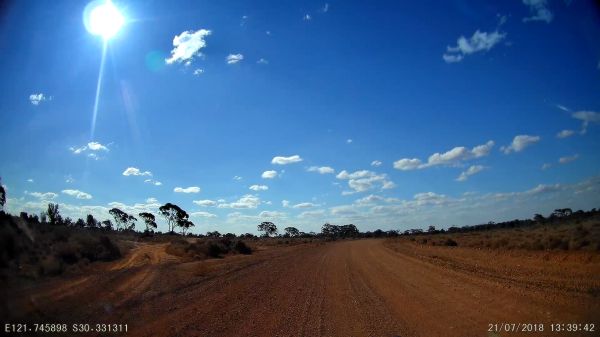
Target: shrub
450, 242
242, 248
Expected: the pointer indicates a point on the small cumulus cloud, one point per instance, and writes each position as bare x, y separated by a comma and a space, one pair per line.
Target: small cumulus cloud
321, 169
349, 141
259, 187
325, 8
191, 189
153, 182
479, 42
234, 58
539, 11
568, 159
565, 134
519, 143
247, 201
37, 99
307, 17
77, 194
134, 171
237, 178
474, 169
451, 157
364, 180
198, 72
262, 61
269, 174
587, 118
279, 160
30, 180
376, 163
205, 203
187, 45
92, 149
42, 196
203, 214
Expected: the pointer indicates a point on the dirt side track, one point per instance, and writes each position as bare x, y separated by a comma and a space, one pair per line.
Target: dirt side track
349, 288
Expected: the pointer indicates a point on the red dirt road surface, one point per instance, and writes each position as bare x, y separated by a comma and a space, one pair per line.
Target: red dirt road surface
345, 288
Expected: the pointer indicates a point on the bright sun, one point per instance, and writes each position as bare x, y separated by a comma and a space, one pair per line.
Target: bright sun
104, 19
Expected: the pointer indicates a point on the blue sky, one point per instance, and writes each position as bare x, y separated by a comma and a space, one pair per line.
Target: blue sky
389, 116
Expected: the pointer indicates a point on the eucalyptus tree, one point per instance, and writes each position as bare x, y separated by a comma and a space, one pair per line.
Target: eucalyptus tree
268, 228
173, 214
149, 220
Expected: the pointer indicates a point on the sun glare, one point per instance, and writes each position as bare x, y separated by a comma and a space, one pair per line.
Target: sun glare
104, 19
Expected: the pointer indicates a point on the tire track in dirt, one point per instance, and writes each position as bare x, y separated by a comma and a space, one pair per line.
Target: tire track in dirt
347, 288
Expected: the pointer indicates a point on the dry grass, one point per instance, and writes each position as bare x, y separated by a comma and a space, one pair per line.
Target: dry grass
584, 235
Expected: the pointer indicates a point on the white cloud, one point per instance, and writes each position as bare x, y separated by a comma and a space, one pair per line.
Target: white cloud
546, 166
91, 146
191, 189
69, 179
480, 41
483, 150
203, 215
153, 182
269, 174
238, 178
406, 164
247, 201
205, 203
565, 133
36, 99
312, 214
279, 160
474, 169
30, 180
272, 214
586, 117
307, 17
568, 159
42, 196
305, 205
376, 163
234, 58
187, 45
151, 200
134, 171
364, 180
259, 187
325, 8
349, 141
451, 157
321, 170
198, 72
563, 108
77, 194
285, 203
539, 11
519, 143
262, 61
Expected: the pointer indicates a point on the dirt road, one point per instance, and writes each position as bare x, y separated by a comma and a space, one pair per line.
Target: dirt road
348, 288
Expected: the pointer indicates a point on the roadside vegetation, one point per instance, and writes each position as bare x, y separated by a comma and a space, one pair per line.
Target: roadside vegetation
561, 230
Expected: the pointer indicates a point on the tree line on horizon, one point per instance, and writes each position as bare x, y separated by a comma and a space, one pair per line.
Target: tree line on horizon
177, 218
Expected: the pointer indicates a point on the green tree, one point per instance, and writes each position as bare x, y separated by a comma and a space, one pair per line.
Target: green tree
185, 225
149, 220
268, 228
90, 221
292, 231
173, 214
53, 214
2, 196
123, 220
